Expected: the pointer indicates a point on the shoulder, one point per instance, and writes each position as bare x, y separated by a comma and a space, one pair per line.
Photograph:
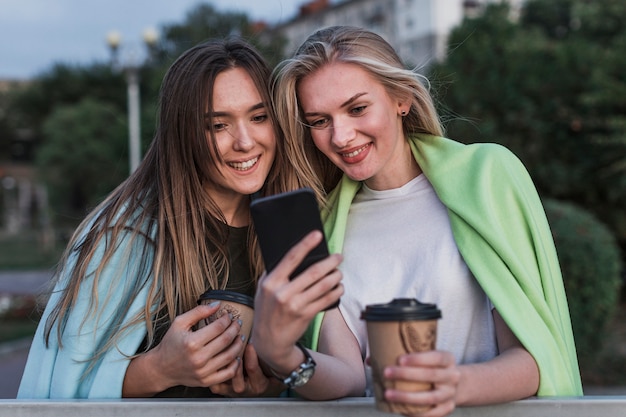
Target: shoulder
495, 159
493, 153
444, 155
476, 168
128, 220
445, 148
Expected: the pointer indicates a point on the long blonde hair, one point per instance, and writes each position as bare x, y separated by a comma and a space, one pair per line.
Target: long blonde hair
175, 229
357, 46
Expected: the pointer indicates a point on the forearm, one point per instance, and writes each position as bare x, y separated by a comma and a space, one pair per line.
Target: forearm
510, 376
141, 378
334, 377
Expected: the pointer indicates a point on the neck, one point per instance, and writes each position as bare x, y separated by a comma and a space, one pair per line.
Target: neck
398, 172
236, 210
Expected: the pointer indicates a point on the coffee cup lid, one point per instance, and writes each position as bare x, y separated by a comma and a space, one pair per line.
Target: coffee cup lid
401, 309
226, 295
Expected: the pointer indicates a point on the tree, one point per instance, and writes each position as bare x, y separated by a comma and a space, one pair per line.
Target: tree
65, 107
205, 22
60, 86
7, 131
84, 157
550, 87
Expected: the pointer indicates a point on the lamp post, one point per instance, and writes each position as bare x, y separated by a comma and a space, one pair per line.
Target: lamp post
131, 71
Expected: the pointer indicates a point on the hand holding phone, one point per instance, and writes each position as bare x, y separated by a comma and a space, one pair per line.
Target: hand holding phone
281, 221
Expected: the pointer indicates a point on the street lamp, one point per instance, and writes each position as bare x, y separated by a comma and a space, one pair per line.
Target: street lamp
131, 70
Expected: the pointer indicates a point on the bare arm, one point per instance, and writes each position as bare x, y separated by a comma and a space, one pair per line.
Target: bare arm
283, 310
512, 375
340, 371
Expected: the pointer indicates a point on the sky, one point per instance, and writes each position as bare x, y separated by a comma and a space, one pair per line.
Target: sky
36, 34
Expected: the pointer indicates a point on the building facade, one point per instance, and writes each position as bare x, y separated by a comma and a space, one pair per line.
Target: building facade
418, 29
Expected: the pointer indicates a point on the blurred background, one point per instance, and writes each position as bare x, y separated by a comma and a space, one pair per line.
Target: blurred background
545, 78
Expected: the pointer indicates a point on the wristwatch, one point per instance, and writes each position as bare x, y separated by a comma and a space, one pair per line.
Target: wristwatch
303, 373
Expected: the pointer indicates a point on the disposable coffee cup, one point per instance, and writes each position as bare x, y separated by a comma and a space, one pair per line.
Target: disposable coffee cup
241, 307
402, 326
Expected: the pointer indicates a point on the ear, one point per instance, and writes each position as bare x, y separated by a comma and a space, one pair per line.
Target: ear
403, 103
403, 108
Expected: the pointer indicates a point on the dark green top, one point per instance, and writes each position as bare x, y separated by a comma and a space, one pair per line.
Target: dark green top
239, 280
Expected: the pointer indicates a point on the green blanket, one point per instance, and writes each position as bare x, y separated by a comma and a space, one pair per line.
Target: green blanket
503, 235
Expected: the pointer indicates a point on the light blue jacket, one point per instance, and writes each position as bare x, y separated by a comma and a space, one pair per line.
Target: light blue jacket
53, 372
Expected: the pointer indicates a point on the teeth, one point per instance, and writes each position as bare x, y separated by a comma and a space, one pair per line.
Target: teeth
354, 153
242, 166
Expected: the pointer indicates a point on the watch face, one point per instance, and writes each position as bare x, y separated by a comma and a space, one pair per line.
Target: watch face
305, 371
304, 376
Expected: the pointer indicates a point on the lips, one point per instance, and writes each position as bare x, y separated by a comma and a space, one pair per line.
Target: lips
355, 152
245, 165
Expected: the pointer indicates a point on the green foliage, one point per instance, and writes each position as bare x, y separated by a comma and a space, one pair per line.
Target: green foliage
6, 139
85, 155
76, 115
553, 17
591, 265
13, 145
30, 250
63, 85
15, 329
550, 87
204, 22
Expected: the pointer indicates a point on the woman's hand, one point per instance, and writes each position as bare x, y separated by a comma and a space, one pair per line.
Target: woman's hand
199, 358
284, 308
511, 375
250, 380
435, 367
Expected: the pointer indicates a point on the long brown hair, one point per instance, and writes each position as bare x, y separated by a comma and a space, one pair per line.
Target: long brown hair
176, 231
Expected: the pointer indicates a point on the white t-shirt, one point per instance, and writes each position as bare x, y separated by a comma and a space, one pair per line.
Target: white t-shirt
399, 244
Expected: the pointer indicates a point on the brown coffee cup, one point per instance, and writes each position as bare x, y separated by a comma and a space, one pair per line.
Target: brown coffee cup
241, 307
402, 326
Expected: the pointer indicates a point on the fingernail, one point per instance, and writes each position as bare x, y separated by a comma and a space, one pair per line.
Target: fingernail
240, 322
243, 337
238, 358
230, 316
214, 303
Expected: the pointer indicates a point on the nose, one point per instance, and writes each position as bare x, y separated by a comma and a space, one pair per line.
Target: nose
243, 138
343, 133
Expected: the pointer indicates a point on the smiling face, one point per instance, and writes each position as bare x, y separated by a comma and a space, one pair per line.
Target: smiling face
357, 125
244, 136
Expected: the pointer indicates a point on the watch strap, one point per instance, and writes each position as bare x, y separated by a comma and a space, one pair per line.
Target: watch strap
295, 378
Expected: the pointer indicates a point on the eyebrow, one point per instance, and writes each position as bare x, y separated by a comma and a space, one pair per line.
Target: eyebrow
353, 98
344, 104
257, 106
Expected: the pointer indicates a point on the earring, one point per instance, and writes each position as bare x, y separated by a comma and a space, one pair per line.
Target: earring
403, 112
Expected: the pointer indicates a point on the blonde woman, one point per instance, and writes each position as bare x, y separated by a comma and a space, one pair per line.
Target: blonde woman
421, 216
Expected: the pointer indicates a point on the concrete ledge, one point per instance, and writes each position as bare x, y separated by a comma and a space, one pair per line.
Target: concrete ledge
588, 406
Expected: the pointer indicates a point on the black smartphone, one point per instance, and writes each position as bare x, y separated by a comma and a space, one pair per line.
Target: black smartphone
281, 221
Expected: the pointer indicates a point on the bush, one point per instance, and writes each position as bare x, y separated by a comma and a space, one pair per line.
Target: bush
590, 261
19, 316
